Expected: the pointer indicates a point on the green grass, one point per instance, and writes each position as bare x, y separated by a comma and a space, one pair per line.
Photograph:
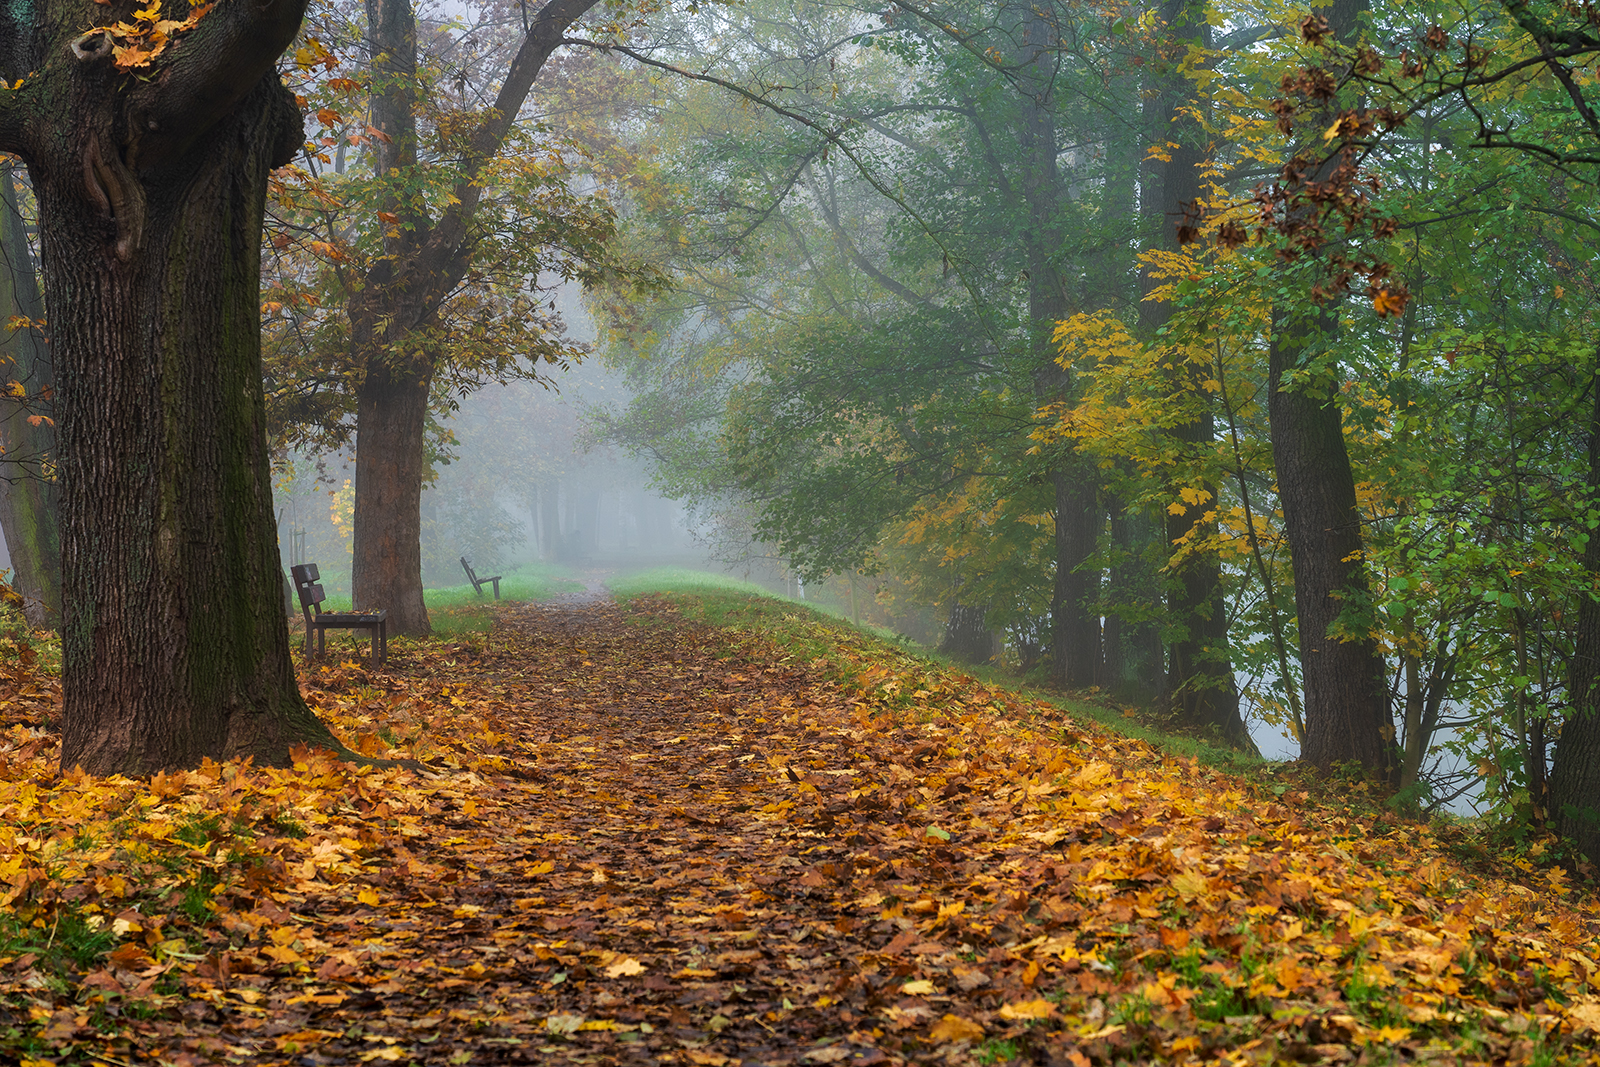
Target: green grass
720, 595
680, 580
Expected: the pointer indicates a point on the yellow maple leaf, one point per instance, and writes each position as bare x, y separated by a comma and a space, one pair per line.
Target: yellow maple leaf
283, 954
132, 57
955, 1028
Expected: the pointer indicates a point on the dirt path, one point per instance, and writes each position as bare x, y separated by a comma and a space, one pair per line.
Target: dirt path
620, 898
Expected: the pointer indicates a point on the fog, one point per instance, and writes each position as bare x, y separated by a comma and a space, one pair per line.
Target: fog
517, 483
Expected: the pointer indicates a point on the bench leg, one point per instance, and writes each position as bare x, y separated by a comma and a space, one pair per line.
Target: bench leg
497, 589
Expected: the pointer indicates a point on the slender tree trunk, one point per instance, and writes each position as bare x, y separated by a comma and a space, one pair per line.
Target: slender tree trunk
29, 497
1132, 661
392, 400
1076, 633
1346, 700
1575, 777
1075, 619
1199, 682
424, 258
550, 520
174, 643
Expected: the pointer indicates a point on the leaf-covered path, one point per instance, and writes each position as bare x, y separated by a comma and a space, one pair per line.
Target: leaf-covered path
646, 841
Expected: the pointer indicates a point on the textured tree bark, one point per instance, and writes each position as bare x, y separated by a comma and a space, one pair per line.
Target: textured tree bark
29, 496
1575, 776
386, 568
1346, 701
175, 646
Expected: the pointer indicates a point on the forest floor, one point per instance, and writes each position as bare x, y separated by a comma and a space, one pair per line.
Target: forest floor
641, 839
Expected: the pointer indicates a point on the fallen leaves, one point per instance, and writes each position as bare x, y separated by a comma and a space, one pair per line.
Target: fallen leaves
136, 43
664, 843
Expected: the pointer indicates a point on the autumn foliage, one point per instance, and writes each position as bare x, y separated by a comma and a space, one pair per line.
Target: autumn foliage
634, 838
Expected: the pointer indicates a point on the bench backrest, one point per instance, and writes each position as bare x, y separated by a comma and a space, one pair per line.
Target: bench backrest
306, 586
471, 575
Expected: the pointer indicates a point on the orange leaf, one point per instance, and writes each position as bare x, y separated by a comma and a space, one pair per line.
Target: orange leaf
1390, 302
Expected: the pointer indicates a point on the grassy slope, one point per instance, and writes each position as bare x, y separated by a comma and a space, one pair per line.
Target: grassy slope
722, 601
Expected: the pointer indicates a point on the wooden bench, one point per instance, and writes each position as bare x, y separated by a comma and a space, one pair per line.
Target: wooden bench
479, 583
376, 623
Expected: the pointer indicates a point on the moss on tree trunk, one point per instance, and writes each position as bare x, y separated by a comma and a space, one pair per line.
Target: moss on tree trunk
175, 645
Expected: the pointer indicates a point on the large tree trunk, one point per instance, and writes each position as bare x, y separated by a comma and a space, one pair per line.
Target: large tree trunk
1575, 778
29, 498
424, 259
175, 646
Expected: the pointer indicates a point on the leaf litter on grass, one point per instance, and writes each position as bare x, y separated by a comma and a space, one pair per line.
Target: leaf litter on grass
639, 840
